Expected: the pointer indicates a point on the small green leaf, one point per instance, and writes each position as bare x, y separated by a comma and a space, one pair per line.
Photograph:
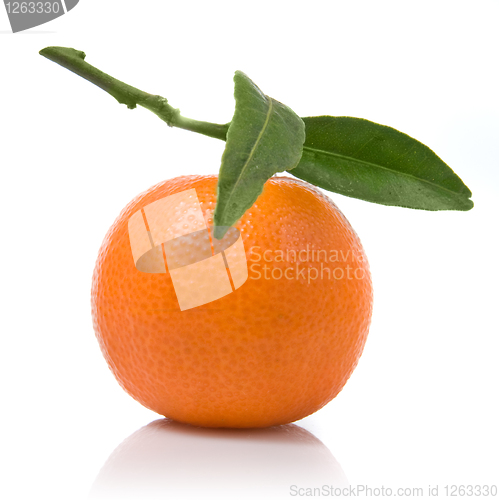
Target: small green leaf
365, 160
264, 137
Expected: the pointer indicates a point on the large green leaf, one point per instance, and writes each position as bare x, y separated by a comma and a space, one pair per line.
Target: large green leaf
264, 137
365, 160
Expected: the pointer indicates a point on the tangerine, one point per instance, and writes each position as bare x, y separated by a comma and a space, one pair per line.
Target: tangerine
273, 350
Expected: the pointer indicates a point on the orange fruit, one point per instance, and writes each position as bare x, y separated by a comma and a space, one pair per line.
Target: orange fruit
274, 350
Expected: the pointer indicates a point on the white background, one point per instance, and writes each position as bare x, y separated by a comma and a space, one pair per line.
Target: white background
421, 408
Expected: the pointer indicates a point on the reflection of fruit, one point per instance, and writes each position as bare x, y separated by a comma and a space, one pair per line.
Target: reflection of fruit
169, 460
273, 351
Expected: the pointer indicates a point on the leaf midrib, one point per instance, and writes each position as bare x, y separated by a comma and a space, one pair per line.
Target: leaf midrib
367, 163
252, 152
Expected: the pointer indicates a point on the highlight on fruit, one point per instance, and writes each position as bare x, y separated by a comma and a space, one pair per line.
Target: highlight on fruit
244, 299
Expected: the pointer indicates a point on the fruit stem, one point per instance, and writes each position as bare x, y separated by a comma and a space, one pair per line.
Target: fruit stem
74, 60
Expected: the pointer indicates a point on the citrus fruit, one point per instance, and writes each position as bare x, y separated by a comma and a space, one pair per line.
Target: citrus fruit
275, 349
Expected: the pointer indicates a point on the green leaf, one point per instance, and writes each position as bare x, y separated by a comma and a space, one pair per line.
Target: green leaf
264, 137
365, 160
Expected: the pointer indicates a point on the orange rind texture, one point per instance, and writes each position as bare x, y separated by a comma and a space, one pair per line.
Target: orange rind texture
269, 352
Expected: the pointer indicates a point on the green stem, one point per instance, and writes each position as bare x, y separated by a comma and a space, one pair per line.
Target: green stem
74, 60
